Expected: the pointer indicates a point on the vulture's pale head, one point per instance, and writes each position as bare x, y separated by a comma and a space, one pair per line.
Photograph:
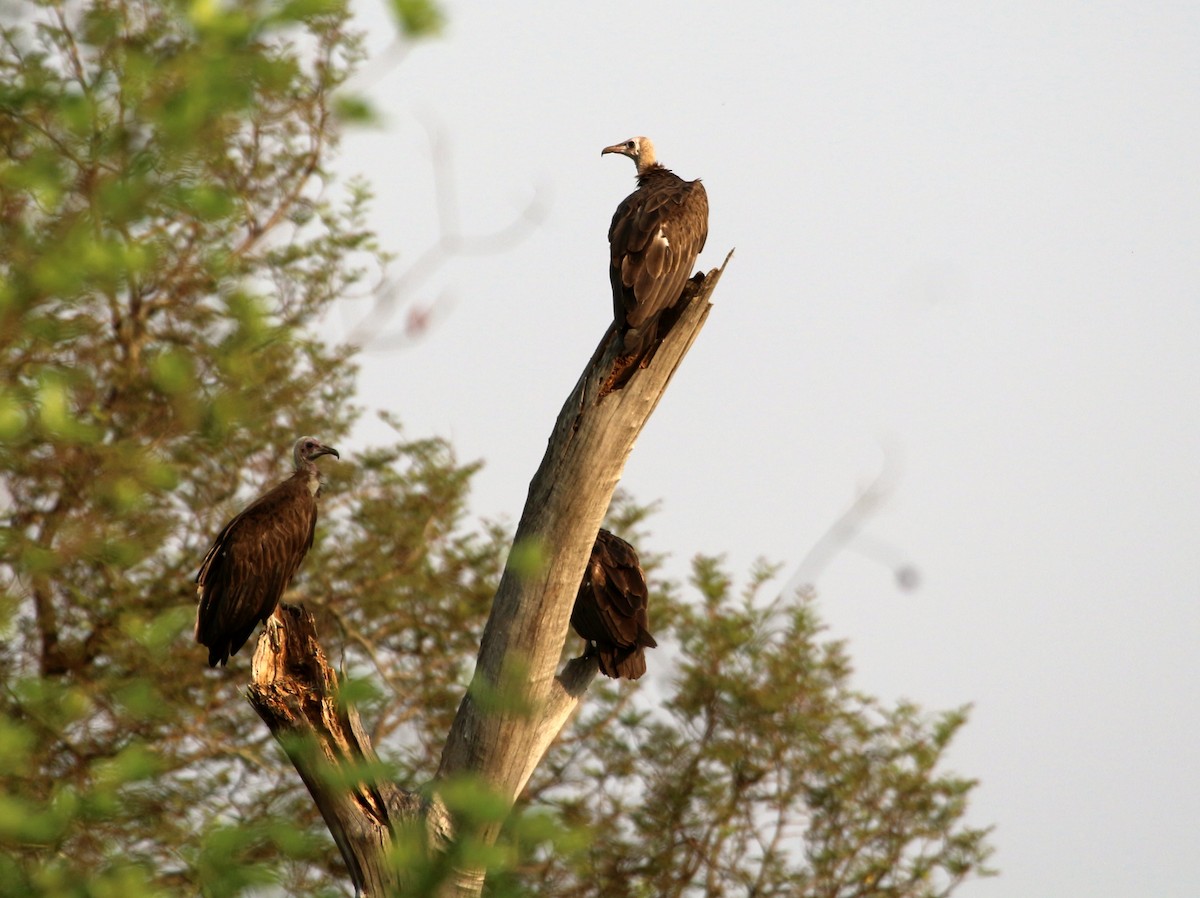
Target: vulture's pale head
639, 149
309, 449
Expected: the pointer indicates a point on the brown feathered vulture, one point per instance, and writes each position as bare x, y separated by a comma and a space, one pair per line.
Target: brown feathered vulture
610, 609
254, 557
655, 236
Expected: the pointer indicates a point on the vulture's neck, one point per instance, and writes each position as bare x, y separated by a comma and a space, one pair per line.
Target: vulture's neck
651, 172
311, 476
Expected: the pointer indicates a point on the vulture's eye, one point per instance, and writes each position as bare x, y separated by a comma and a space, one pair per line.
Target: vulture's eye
629, 145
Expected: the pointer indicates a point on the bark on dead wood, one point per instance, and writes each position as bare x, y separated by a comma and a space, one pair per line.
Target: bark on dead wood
501, 739
295, 692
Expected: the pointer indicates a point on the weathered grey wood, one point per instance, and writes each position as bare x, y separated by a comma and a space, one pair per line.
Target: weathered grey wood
502, 742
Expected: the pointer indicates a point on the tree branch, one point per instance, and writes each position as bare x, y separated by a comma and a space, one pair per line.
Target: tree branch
516, 705
295, 692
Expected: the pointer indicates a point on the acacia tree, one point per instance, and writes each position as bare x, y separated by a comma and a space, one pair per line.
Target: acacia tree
168, 237
169, 240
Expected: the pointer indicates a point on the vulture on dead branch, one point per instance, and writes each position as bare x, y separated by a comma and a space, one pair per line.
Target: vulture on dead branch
255, 556
655, 236
610, 609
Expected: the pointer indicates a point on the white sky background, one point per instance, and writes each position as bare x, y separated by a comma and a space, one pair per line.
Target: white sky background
968, 238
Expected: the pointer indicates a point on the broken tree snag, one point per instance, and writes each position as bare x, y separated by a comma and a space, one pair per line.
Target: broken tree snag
295, 692
568, 497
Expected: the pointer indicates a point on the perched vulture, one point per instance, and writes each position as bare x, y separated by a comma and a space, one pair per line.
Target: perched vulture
610, 609
655, 236
253, 559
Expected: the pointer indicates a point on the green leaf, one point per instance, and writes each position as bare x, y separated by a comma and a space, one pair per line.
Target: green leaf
16, 744
13, 417
418, 18
134, 762
173, 371
355, 110
528, 558
305, 10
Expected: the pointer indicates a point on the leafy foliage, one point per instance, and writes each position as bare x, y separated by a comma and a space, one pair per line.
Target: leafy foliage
170, 240
167, 243
757, 769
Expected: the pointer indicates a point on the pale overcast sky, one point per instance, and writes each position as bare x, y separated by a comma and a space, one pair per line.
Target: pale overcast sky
968, 241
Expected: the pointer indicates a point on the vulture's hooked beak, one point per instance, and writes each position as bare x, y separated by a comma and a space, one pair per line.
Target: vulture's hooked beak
326, 450
615, 148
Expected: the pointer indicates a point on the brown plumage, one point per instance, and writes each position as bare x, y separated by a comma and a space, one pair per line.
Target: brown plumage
254, 557
610, 609
655, 236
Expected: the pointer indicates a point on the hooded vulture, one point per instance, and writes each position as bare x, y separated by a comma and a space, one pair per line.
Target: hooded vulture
254, 557
655, 236
610, 609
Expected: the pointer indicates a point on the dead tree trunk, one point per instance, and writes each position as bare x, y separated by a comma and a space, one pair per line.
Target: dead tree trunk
516, 704
525, 633
295, 692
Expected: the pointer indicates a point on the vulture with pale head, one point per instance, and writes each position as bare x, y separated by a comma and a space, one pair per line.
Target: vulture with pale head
254, 557
655, 237
610, 609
